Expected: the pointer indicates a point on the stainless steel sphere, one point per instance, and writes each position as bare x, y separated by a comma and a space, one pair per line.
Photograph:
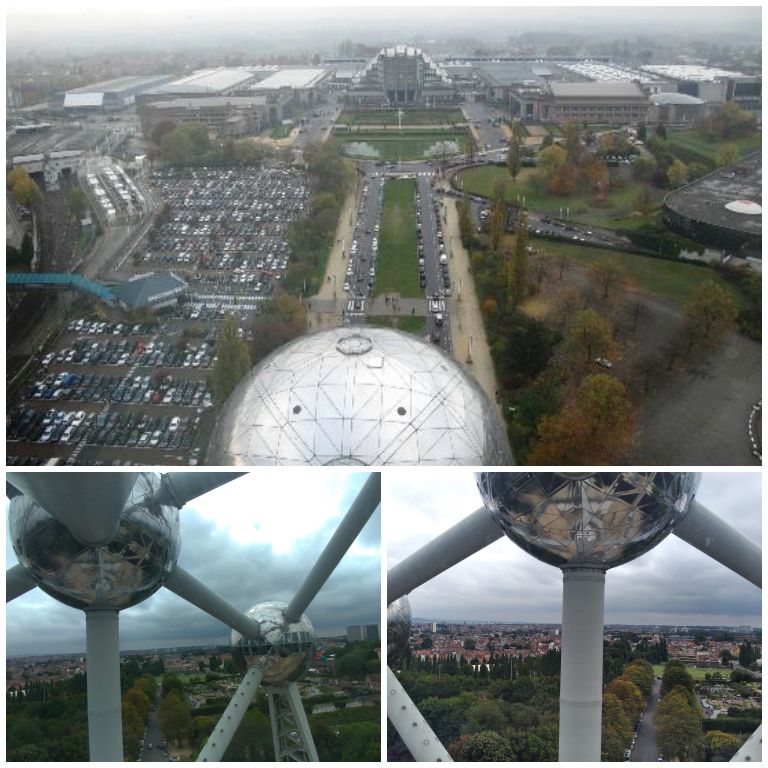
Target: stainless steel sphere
122, 573
284, 654
398, 628
603, 520
366, 396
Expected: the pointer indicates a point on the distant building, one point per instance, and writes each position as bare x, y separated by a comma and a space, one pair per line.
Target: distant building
52, 165
299, 86
612, 102
226, 115
713, 85
106, 96
362, 632
676, 109
402, 76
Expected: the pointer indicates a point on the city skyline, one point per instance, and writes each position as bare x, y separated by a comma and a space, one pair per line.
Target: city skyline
504, 582
275, 546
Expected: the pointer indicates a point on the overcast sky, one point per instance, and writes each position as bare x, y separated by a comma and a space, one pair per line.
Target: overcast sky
315, 26
672, 584
253, 539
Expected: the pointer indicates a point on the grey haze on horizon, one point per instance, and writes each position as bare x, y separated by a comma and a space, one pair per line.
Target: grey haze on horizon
82, 26
272, 525
672, 584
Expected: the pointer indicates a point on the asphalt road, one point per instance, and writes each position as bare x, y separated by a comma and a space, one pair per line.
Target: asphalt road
645, 750
153, 735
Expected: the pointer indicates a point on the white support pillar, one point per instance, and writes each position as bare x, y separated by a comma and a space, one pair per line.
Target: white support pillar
581, 665
233, 715
291, 736
105, 714
411, 726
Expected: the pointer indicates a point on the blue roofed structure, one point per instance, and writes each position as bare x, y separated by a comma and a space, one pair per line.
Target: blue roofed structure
155, 290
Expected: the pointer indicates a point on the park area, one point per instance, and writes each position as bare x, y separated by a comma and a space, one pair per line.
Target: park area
404, 117
411, 144
618, 201
397, 270
690, 145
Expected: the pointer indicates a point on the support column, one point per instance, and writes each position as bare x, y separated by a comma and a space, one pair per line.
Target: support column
581, 666
105, 716
291, 736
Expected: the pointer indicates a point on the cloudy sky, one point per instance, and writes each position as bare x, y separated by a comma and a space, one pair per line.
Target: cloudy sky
671, 584
251, 540
85, 25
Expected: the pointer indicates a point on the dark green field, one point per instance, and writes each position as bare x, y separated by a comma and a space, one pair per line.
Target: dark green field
409, 117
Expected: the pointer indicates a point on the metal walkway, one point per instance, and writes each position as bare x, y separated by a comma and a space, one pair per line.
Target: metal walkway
60, 280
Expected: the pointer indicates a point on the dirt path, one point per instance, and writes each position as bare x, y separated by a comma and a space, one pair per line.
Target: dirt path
332, 288
464, 311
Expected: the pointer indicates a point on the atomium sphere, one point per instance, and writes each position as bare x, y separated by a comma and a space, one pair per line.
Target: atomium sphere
283, 654
398, 628
117, 575
365, 396
602, 520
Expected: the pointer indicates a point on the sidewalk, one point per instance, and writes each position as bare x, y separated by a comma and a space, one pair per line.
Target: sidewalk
464, 311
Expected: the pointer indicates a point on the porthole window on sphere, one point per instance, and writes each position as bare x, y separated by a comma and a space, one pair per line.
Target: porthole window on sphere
401, 410
297, 409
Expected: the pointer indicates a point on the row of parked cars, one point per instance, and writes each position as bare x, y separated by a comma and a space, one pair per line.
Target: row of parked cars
132, 352
364, 250
95, 388
103, 328
132, 430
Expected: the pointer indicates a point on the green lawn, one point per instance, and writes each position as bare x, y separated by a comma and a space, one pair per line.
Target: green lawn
281, 131
393, 145
482, 181
692, 141
660, 277
397, 270
410, 117
697, 673
407, 323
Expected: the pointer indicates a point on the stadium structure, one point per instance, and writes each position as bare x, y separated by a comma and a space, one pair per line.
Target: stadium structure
107, 96
103, 542
583, 523
723, 208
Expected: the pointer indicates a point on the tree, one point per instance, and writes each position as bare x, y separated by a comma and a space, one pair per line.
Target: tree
643, 167
146, 684
515, 153
172, 682
572, 143
597, 426
709, 316
24, 189
677, 174
675, 675
661, 132
498, 217
465, 220
541, 266
426, 643
616, 729
727, 154
551, 158
643, 202
729, 122
517, 283
486, 746
138, 699
678, 726
641, 674
720, 746
608, 274
78, 202
175, 717
596, 172
234, 360
696, 170
590, 336
469, 644
214, 662
564, 180
484, 716
160, 129
628, 694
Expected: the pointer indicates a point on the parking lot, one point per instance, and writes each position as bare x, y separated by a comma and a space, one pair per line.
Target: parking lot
115, 392
225, 231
